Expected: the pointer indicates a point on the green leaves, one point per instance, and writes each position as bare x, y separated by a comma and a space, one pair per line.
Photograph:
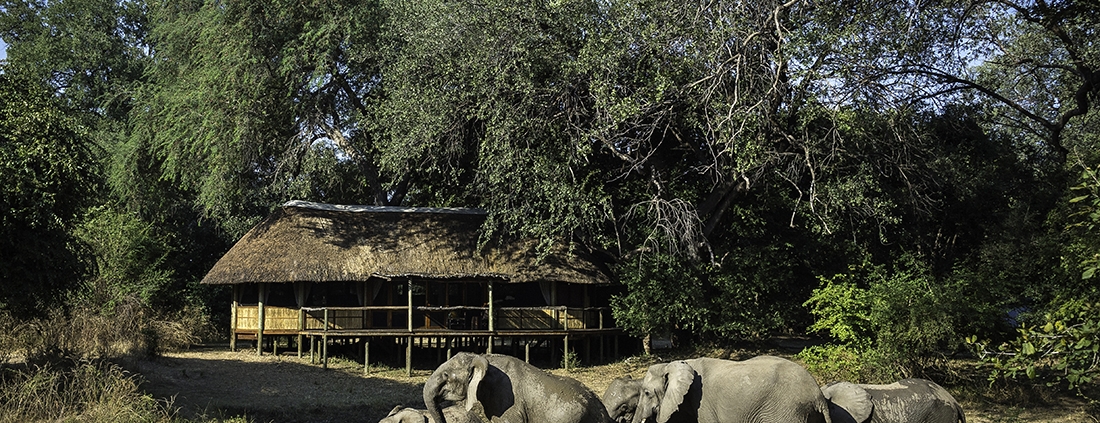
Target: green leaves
49, 175
1059, 348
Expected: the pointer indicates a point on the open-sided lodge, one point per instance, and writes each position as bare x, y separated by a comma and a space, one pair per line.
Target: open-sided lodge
413, 276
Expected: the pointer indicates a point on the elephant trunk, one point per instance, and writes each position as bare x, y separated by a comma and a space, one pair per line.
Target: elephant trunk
432, 398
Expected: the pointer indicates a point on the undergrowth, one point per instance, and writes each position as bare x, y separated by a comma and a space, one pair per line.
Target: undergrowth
59, 367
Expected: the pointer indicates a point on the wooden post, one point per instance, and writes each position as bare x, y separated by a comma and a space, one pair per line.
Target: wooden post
409, 357
366, 356
527, 351
449, 345
565, 354
409, 291
489, 348
300, 301
490, 309
301, 327
260, 326
233, 318
324, 342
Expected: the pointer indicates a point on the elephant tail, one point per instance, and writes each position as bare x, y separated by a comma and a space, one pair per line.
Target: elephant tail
961, 414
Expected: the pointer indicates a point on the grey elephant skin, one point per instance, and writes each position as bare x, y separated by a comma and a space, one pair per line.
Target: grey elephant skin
621, 398
908, 400
709, 390
508, 390
401, 414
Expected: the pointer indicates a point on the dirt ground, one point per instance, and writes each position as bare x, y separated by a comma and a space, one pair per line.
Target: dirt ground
214, 382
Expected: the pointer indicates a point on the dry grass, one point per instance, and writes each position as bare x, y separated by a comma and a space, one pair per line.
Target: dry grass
77, 391
128, 330
58, 368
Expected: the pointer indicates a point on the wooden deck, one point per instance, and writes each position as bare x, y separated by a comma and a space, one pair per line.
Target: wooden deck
440, 328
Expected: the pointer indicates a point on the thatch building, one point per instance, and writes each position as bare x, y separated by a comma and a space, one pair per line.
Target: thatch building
362, 272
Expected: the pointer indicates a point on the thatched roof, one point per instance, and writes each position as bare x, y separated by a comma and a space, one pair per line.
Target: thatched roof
315, 242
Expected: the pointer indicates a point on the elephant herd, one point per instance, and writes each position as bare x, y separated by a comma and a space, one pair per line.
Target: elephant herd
503, 389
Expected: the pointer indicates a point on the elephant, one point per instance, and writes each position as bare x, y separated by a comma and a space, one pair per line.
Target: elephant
506, 389
621, 398
908, 400
710, 390
402, 414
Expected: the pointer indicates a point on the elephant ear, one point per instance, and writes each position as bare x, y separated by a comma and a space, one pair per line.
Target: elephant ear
679, 377
478, 367
850, 398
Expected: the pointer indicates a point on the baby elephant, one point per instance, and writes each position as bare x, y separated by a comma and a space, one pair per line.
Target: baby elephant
402, 414
908, 400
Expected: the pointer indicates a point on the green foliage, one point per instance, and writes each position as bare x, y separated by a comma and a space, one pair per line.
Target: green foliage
662, 293
833, 362
1059, 343
1059, 348
130, 260
722, 153
89, 52
1086, 220
48, 166
901, 319
843, 309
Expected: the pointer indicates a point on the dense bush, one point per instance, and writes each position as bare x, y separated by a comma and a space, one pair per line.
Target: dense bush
1059, 348
886, 323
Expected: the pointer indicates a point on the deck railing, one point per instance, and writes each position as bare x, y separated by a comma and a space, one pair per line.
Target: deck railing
423, 318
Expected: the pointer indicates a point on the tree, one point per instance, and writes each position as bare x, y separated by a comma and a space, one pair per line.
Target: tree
48, 165
300, 78
88, 51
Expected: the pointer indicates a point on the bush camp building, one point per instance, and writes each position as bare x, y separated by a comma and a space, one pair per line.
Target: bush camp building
322, 273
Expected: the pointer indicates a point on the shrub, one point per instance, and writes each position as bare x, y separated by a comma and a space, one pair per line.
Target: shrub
842, 362
888, 323
86, 391
1060, 348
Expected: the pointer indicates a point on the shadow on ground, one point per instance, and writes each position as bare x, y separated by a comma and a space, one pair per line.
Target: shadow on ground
281, 389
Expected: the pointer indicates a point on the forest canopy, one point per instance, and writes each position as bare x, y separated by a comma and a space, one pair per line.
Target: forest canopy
896, 176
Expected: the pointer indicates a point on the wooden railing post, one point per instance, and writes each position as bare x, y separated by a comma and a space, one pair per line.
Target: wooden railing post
491, 327
260, 326
324, 341
409, 291
301, 327
233, 318
366, 356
